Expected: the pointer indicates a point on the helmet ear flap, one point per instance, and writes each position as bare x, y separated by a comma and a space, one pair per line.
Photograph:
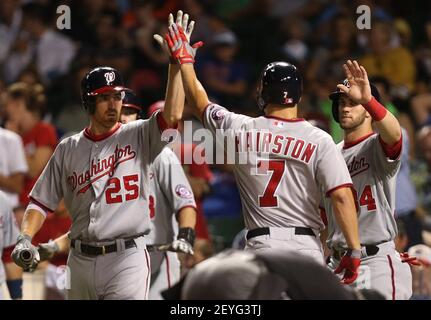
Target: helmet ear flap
89, 104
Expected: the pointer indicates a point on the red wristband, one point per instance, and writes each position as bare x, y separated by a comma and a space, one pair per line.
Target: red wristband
375, 109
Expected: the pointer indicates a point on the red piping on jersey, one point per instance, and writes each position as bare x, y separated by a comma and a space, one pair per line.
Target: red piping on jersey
284, 119
98, 137
6, 256
345, 185
44, 207
147, 283
167, 269
350, 144
163, 125
203, 113
392, 276
392, 151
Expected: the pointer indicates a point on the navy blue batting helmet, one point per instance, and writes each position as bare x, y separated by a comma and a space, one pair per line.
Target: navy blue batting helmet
280, 83
97, 81
335, 97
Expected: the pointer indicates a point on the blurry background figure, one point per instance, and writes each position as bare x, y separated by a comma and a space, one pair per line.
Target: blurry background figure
421, 274
24, 106
53, 51
269, 275
13, 166
223, 74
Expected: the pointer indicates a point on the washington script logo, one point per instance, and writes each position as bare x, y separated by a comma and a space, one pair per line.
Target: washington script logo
100, 168
357, 166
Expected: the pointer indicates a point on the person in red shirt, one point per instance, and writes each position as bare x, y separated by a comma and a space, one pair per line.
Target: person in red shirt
24, 106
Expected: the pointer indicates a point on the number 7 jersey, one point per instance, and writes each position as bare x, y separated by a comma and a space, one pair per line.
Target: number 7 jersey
287, 163
374, 179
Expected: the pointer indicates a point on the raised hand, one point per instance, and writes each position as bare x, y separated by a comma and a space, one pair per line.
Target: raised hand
179, 46
182, 20
358, 88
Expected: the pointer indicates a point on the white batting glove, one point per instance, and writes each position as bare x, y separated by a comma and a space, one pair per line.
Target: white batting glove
182, 20
25, 253
182, 246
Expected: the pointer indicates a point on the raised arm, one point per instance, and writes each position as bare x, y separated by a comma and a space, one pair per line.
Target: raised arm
174, 100
184, 53
360, 92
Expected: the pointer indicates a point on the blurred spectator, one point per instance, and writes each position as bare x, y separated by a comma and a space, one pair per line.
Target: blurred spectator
24, 106
394, 63
295, 48
423, 61
328, 60
10, 23
53, 51
71, 117
326, 63
13, 165
224, 76
421, 109
406, 199
146, 55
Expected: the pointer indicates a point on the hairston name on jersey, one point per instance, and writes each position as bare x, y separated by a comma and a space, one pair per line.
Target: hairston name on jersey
100, 168
267, 142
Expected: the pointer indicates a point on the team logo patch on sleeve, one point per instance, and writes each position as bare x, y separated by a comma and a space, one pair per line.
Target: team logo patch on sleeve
183, 192
218, 114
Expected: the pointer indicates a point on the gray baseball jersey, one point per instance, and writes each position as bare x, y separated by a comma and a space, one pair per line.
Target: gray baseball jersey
8, 230
287, 163
170, 192
104, 180
12, 161
374, 179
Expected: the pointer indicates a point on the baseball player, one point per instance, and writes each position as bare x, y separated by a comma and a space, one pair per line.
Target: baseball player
103, 175
172, 206
373, 161
287, 161
8, 234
